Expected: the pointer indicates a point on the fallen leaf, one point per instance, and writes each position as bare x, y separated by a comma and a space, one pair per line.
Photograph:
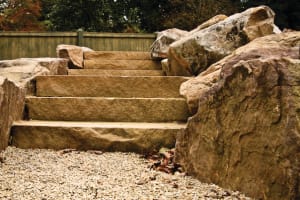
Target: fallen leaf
163, 161
95, 152
64, 151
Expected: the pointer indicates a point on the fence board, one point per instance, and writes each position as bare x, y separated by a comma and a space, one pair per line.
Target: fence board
43, 44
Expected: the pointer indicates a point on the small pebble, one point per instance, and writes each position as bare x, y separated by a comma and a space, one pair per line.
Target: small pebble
69, 174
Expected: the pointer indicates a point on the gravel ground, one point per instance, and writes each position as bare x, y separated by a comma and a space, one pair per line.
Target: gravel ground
48, 174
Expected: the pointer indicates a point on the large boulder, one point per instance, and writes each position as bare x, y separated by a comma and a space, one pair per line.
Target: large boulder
11, 108
208, 23
245, 135
193, 54
24, 70
160, 47
264, 47
73, 53
17, 78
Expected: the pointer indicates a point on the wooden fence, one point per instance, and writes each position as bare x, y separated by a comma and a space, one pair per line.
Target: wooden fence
43, 44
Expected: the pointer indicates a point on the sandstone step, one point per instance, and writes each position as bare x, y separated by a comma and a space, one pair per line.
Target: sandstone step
107, 109
108, 86
122, 64
133, 137
117, 55
100, 72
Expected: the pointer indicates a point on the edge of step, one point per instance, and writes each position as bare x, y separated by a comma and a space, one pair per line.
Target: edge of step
108, 109
118, 55
125, 137
103, 72
78, 124
108, 86
122, 64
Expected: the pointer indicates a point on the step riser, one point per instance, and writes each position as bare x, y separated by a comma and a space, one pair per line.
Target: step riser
115, 55
107, 109
126, 140
84, 86
122, 64
99, 72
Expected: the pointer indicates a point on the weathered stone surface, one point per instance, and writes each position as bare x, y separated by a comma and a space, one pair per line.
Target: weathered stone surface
160, 47
107, 109
122, 64
276, 45
103, 72
194, 53
134, 137
109, 86
208, 23
73, 53
245, 134
117, 55
165, 66
17, 79
11, 108
56, 66
24, 70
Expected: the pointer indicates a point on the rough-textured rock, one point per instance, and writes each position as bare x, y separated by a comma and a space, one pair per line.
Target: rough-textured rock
17, 78
73, 53
117, 55
108, 109
160, 47
194, 53
11, 108
24, 70
245, 135
122, 64
208, 23
116, 72
133, 137
109, 86
276, 45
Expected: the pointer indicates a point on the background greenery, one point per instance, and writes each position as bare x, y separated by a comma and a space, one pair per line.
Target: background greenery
130, 15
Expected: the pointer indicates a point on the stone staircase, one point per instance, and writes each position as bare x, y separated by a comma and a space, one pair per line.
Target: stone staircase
120, 101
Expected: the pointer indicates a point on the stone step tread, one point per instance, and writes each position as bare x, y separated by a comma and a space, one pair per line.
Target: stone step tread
108, 86
117, 55
123, 64
101, 72
126, 137
130, 125
107, 109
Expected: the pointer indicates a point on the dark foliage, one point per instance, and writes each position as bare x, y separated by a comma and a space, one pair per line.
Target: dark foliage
131, 15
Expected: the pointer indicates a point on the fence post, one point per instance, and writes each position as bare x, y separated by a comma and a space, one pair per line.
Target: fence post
80, 37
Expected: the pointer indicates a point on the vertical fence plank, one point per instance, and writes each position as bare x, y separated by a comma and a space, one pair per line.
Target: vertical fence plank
80, 37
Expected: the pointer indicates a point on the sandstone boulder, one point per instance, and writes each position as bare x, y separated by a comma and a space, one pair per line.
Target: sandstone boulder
208, 23
245, 134
264, 47
73, 53
193, 54
24, 70
11, 108
160, 47
17, 78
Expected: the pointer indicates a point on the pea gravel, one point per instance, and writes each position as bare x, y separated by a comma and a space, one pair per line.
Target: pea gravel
47, 174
